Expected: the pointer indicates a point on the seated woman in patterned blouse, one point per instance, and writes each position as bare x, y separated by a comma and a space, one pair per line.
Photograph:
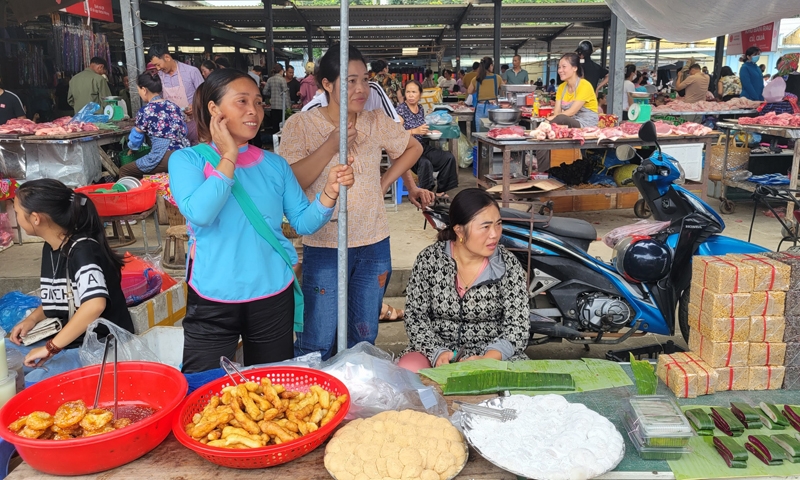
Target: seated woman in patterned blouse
467, 297
159, 120
433, 160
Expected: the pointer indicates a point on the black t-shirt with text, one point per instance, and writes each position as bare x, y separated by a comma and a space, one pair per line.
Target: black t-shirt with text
10, 107
92, 275
593, 72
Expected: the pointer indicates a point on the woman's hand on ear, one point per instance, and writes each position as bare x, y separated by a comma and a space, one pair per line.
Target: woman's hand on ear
222, 137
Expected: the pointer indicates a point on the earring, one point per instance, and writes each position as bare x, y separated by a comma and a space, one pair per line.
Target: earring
461, 239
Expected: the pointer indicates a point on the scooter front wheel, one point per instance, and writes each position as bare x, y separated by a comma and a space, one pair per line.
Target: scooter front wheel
641, 209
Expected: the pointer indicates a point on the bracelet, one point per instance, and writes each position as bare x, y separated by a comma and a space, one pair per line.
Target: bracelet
326, 194
228, 159
51, 347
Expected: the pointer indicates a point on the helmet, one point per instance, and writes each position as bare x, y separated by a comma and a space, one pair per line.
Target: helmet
641, 258
623, 174
585, 48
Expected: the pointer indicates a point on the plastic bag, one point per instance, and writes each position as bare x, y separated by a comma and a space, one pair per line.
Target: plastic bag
439, 117
376, 384
14, 308
464, 152
642, 227
129, 346
86, 115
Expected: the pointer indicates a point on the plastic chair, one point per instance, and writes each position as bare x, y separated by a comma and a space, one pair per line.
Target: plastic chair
401, 190
7, 451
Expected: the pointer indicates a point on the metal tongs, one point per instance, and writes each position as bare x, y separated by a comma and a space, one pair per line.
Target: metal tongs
226, 364
109, 339
502, 414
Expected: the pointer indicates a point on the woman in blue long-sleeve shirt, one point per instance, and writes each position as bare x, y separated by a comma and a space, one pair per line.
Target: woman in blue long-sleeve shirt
751, 76
159, 120
238, 283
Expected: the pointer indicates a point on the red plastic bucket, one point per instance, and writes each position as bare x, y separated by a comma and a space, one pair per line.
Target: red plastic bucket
140, 383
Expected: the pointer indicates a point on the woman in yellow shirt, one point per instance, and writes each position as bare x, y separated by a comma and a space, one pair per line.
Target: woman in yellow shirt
576, 103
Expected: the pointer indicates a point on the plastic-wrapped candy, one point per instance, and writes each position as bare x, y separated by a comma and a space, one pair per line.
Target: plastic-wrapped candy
766, 354
767, 328
770, 274
766, 378
719, 354
722, 275
732, 378
721, 305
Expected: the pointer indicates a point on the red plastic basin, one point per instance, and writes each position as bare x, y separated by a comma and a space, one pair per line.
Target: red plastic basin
135, 201
140, 383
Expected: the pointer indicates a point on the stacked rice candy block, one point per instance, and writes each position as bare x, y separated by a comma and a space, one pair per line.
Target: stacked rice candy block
687, 375
736, 317
791, 334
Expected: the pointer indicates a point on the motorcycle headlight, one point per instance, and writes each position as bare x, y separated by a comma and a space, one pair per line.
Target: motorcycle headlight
682, 177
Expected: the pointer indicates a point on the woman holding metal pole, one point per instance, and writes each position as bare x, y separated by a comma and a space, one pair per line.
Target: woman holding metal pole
311, 145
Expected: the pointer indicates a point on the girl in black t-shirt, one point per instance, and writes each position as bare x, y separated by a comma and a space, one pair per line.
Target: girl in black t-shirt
75, 245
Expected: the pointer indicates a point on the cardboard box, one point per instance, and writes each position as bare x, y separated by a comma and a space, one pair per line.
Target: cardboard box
165, 309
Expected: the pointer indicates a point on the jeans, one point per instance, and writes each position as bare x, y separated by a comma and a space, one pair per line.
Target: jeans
368, 272
482, 111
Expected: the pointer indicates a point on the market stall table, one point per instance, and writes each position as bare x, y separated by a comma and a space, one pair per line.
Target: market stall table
785, 132
76, 159
171, 460
486, 146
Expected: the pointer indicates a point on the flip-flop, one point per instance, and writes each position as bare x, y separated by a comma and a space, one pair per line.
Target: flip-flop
391, 315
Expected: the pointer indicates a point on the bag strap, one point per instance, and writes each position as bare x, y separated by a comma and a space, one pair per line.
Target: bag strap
260, 225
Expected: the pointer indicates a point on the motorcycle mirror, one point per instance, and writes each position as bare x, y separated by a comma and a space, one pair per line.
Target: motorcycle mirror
648, 132
625, 152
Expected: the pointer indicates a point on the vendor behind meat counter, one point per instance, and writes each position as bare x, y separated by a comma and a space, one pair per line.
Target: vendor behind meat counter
75, 245
467, 295
576, 103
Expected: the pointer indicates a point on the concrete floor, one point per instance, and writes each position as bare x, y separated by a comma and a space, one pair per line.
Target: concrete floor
20, 264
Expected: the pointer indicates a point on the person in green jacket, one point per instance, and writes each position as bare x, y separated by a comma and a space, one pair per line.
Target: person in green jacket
125, 94
89, 85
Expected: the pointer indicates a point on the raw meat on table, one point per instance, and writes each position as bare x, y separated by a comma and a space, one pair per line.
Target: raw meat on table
772, 119
507, 133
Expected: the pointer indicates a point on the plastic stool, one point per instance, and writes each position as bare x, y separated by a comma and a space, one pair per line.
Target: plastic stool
401, 190
7, 451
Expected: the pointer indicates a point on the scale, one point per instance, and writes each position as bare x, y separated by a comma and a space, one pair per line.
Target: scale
641, 109
116, 108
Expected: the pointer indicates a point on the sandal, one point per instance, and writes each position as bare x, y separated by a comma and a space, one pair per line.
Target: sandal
390, 314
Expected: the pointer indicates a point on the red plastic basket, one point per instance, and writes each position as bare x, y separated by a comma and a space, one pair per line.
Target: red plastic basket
293, 378
134, 284
140, 383
135, 201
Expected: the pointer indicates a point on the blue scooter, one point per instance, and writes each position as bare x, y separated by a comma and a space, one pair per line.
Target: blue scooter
582, 299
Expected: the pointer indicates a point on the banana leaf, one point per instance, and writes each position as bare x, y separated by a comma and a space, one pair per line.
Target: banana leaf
479, 383
644, 376
701, 422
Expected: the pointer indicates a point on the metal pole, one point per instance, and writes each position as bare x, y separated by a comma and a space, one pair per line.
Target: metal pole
270, 37
458, 50
130, 52
137, 37
619, 37
498, 20
549, 50
310, 45
655, 60
604, 49
344, 61
719, 56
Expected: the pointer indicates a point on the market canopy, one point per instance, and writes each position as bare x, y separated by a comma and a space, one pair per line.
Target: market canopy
693, 20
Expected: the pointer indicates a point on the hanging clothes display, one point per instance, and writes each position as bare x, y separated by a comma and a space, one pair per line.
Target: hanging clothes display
25, 56
76, 44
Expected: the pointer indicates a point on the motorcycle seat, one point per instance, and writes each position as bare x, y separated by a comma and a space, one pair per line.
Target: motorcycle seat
559, 226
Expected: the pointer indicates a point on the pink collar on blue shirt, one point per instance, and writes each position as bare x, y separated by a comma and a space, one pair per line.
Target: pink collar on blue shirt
249, 156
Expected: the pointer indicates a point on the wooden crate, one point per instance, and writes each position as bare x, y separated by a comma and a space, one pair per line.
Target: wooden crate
627, 200
589, 203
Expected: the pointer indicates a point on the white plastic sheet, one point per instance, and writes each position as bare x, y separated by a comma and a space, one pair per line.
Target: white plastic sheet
694, 20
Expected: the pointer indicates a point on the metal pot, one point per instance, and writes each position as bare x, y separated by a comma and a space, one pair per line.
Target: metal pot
505, 116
